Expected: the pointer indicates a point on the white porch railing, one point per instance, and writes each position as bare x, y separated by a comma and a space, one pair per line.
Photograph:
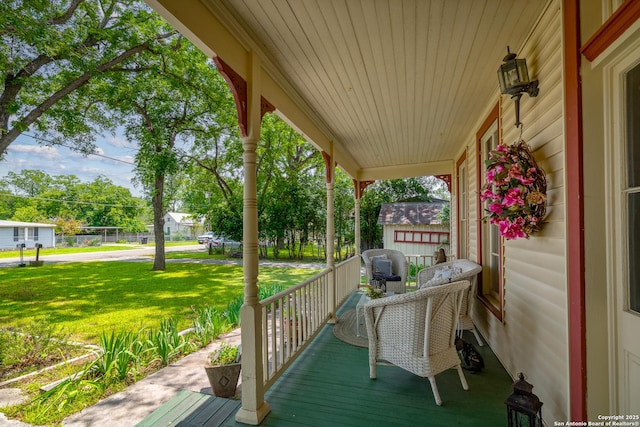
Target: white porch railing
417, 263
347, 278
292, 318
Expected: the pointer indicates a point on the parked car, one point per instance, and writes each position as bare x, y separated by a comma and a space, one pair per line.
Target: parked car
217, 242
204, 238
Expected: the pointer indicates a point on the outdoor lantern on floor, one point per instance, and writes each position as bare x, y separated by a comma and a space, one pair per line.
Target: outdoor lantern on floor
524, 409
514, 80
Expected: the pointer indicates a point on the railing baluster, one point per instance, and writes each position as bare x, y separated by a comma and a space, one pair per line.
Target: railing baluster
292, 317
265, 343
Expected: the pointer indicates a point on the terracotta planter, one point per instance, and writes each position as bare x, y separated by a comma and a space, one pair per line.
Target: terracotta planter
293, 330
223, 379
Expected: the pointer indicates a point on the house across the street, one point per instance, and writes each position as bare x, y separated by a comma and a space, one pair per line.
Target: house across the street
180, 224
15, 233
414, 228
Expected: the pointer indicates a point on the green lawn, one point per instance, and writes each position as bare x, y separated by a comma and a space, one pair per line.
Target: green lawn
31, 253
88, 298
83, 249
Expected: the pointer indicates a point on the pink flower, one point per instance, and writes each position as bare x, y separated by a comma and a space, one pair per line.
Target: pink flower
515, 172
513, 197
488, 194
496, 208
526, 181
512, 230
491, 176
513, 201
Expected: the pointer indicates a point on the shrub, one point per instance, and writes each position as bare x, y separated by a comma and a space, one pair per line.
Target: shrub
166, 343
232, 314
414, 269
39, 339
208, 324
55, 403
120, 353
226, 354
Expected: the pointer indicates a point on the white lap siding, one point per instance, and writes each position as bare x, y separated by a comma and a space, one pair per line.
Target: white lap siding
533, 336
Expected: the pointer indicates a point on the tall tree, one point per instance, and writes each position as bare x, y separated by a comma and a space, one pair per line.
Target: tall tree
96, 203
51, 48
290, 181
167, 107
344, 221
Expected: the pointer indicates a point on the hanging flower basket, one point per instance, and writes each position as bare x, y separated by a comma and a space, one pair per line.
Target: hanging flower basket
516, 189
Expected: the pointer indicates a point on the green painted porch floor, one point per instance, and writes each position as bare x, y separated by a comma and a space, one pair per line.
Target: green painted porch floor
329, 385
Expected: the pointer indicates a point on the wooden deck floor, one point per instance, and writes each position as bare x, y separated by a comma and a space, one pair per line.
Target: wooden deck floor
329, 385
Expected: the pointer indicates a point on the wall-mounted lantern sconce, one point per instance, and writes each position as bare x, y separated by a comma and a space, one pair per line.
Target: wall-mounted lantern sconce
514, 80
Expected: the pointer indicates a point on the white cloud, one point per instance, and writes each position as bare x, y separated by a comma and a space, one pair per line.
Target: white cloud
114, 160
118, 141
41, 151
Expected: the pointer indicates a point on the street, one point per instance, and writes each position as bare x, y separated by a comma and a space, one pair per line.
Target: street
143, 253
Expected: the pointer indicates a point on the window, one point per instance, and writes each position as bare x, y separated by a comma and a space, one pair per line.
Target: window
489, 240
428, 237
35, 234
18, 234
631, 190
463, 207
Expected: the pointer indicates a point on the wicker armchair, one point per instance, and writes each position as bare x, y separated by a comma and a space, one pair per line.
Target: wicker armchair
416, 331
399, 267
446, 272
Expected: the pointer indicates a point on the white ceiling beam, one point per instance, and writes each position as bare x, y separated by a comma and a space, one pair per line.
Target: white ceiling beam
407, 171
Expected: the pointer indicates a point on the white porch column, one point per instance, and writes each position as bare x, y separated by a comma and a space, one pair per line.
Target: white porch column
356, 227
254, 409
330, 235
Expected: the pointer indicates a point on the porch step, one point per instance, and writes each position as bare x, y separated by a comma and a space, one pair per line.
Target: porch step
188, 408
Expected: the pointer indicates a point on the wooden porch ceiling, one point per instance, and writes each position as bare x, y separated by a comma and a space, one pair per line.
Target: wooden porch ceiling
398, 87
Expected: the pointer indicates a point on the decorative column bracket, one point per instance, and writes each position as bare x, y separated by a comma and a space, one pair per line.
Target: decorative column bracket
265, 107
359, 187
447, 179
238, 87
327, 162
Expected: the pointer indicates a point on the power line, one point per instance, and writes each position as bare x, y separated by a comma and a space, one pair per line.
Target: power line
51, 143
73, 201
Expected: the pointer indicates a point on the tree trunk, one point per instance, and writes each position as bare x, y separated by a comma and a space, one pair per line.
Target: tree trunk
158, 223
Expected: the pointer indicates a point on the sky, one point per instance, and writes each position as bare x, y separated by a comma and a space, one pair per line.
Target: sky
114, 160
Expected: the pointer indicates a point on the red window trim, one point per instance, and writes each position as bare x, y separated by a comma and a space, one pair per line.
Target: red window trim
574, 183
491, 118
618, 23
440, 236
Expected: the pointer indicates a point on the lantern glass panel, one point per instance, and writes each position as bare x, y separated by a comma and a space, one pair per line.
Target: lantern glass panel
507, 74
523, 73
513, 76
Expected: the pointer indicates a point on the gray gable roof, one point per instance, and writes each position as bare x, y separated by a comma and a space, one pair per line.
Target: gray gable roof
10, 224
412, 213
